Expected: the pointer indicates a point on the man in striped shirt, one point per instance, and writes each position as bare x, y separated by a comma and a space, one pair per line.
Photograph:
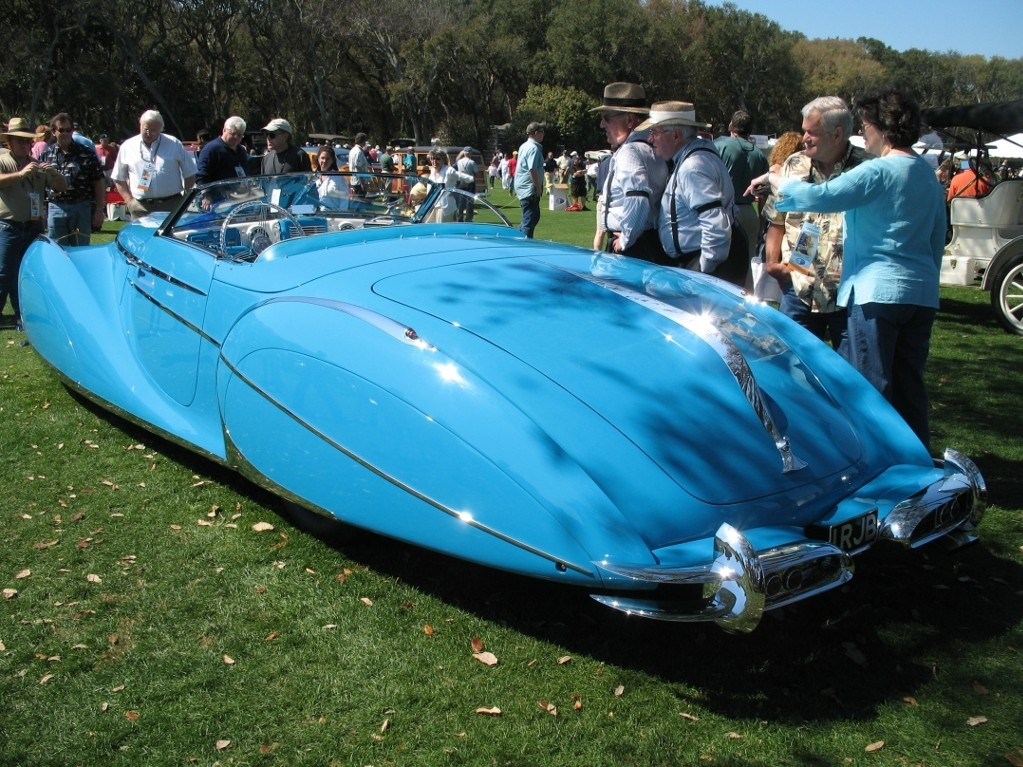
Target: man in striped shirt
636, 178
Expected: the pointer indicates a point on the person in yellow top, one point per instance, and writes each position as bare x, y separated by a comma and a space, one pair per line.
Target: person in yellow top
23, 184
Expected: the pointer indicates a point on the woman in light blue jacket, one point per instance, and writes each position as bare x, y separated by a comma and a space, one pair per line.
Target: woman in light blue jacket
894, 238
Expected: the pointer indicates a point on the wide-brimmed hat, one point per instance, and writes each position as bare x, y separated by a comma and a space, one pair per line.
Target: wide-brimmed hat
20, 128
624, 97
668, 113
279, 123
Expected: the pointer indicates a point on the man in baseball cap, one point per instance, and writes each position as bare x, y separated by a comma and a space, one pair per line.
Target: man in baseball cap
281, 155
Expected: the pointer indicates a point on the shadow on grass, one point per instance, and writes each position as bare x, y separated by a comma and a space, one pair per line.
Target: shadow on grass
837, 657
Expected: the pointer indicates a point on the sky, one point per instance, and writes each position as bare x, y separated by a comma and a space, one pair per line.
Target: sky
985, 27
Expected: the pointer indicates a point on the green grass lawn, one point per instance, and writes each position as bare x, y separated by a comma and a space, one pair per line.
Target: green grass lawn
144, 621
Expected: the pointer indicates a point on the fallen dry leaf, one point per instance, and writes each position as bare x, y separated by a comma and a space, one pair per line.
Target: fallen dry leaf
495, 711
228, 660
104, 707
877, 745
132, 715
22, 574
366, 601
385, 726
619, 691
10, 593
733, 736
973, 721
577, 705
46, 679
2, 646
476, 644
979, 688
271, 636
220, 745
262, 527
119, 688
910, 700
1016, 760
486, 658
428, 630
689, 717
564, 659
93, 578
550, 708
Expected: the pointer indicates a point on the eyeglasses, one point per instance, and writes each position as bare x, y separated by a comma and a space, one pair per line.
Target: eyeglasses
63, 130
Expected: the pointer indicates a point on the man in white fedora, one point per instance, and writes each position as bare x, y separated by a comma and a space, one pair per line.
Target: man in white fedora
697, 208
627, 213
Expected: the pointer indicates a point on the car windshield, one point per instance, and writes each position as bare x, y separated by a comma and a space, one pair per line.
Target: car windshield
240, 218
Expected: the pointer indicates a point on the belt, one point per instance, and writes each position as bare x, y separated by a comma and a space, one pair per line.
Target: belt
159, 199
20, 224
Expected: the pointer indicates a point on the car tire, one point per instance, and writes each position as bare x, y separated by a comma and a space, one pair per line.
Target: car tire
1007, 296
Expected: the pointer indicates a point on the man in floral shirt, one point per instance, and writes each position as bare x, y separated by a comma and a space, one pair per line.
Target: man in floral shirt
76, 212
810, 296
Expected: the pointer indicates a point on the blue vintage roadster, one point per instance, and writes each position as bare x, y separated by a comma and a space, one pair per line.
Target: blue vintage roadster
654, 436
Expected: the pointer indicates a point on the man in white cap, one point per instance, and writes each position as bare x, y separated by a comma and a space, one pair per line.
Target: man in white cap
281, 156
697, 209
627, 213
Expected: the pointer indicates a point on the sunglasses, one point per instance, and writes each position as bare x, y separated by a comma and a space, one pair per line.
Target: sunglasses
273, 134
63, 130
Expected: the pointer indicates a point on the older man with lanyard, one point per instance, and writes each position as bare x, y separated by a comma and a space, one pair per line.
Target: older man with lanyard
153, 170
810, 294
635, 179
697, 209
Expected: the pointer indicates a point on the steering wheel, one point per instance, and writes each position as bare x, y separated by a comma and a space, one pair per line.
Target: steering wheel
271, 208
984, 171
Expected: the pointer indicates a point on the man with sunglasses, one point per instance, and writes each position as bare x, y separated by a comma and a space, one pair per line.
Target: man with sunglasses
281, 155
74, 213
23, 182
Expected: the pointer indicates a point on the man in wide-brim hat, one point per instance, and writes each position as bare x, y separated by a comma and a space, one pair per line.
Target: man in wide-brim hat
627, 208
23, 184
696, 210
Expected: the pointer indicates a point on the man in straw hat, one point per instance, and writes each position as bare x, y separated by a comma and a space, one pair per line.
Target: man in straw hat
627, 213
697, 209
23, 184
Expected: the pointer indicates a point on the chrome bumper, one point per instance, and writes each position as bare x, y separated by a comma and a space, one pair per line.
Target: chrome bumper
950, 508
740, 583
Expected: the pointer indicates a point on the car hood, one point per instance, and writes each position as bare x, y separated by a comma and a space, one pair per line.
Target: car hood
678, 364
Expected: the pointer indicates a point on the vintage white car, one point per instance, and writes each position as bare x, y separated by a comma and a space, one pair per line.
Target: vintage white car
986, 248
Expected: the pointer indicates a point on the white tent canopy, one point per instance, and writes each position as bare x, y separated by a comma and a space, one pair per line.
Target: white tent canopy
1009, 148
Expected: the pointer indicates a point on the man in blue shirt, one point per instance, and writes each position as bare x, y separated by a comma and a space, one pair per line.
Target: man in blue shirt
529, 177
223, 157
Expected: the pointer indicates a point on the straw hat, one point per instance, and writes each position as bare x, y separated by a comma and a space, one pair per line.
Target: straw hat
668, 113
20, 128
623, 97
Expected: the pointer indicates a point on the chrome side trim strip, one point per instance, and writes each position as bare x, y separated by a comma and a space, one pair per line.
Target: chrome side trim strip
705, 329
191, 326
394, 329
134, 260
460, 515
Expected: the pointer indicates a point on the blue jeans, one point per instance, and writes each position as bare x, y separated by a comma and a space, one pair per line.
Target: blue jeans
825, 325
15, 238
530, 214
70, 223
888, 344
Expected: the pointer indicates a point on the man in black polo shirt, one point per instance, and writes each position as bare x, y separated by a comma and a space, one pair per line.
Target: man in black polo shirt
74, 213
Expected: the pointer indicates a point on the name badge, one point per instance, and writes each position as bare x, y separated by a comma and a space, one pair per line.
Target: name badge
35, 205
146, 176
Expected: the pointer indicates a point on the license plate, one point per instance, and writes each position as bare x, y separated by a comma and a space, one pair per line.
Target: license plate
855, 533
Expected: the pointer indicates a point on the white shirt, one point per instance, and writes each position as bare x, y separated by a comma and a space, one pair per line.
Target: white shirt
163, 169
